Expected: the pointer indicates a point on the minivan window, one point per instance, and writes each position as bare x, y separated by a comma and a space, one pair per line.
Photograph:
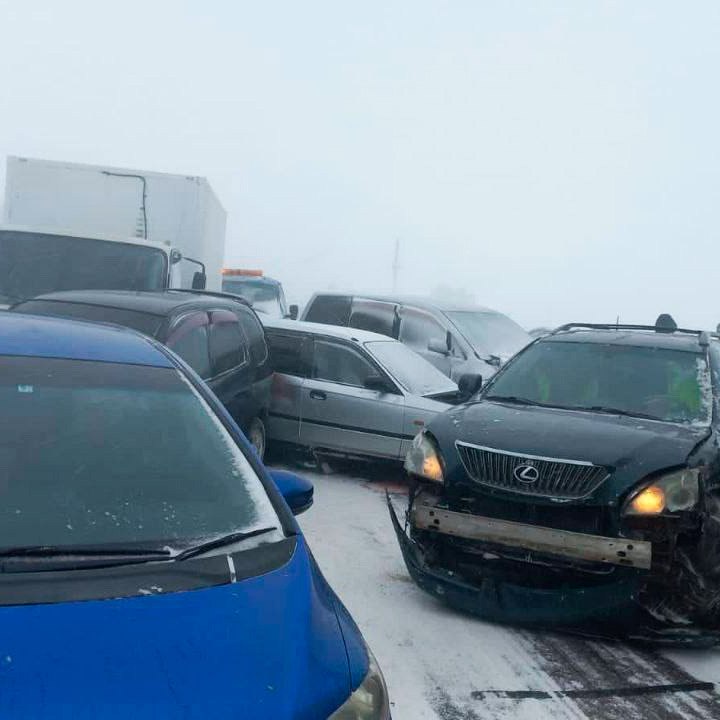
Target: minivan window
374, 316
329, 310
417, 329
669, 385
98, 453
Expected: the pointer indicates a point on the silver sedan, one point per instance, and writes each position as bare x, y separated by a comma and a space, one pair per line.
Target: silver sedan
350, 391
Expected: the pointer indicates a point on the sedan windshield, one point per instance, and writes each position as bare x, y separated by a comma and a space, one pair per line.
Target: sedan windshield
413, 372
35, 264
101, 454
663, 384
490, 332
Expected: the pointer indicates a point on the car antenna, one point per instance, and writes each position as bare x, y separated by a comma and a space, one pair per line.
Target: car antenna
617, 323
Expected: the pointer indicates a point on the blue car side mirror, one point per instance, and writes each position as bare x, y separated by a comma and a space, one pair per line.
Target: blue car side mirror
297, 491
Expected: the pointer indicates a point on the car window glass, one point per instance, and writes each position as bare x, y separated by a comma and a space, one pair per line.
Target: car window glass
417, 329
255, 335
340, 364
374, 316
227, 342
286, 353
189, 339
329, 309
142, 457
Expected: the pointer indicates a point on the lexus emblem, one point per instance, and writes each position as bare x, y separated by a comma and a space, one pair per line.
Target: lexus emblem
526, 474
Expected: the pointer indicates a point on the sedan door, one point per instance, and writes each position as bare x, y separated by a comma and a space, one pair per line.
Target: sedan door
340, 413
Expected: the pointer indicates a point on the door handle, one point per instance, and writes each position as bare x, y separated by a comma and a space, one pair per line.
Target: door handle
318, 395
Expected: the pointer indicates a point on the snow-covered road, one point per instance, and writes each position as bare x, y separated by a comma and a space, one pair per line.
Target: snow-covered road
440, 663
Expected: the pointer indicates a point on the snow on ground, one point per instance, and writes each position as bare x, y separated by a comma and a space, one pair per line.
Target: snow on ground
442, 664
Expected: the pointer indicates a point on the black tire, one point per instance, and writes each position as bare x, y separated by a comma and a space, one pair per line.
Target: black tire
257, 437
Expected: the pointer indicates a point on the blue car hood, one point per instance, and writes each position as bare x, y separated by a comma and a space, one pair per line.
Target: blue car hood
265, 647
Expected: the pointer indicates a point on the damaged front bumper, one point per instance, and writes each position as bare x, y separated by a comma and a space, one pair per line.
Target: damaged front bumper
610, 606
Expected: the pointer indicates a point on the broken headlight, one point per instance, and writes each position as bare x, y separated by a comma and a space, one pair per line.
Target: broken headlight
370, 701
423, 459
673, 492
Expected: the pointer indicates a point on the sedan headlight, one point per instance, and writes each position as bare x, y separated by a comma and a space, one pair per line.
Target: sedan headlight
370, 701
423, 459
673, 492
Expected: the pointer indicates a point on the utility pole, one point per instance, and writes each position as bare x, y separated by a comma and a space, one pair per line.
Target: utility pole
396, 265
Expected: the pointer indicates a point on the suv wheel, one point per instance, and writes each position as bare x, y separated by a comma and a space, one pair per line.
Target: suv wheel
256, 436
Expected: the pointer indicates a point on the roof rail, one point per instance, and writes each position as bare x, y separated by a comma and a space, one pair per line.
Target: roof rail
614, 326
224, 295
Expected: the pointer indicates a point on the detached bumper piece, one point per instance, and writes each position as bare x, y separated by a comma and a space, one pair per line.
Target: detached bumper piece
563, 543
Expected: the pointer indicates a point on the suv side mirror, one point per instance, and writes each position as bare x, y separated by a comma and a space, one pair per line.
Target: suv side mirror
469, 384
297, 491
438, 346
199, 281
294, 312
377, 383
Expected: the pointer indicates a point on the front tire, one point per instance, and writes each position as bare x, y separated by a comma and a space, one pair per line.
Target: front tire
256, 436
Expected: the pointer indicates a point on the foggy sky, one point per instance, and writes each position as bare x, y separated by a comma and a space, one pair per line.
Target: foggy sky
555, 160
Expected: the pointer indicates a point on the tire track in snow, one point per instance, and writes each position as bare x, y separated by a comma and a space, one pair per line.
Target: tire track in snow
582, 664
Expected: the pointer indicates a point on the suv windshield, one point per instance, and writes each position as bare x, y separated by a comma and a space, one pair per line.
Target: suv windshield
35, 264
490, 332
665, 384
98, 453
414, 373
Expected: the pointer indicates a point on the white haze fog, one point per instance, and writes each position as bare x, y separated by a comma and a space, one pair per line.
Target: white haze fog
555, 160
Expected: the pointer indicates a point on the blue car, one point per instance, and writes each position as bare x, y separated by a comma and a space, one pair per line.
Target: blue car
150, 567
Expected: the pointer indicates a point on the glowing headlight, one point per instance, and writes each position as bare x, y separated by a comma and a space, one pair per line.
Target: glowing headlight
370, 701
673, 492
423, 459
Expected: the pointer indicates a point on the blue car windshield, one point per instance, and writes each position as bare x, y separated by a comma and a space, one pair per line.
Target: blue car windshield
646, 381
95, 453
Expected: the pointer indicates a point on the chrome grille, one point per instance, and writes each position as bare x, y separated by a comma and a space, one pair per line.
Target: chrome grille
555, 478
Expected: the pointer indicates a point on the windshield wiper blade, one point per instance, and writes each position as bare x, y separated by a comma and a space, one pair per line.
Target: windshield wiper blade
617, 411
74, 551
515, 400
217, 542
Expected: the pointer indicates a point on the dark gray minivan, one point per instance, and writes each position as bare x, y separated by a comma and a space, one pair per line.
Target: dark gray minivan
458, 340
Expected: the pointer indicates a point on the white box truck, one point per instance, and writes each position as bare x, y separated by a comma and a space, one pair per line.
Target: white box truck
68, 226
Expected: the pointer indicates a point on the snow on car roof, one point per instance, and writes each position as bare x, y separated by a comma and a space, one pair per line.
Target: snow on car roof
35, 336
335, 331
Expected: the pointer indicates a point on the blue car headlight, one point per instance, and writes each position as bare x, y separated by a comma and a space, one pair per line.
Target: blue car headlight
370, 701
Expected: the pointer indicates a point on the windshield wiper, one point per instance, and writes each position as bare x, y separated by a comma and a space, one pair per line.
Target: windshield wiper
81, 551
515, 400
617, 411
217, 542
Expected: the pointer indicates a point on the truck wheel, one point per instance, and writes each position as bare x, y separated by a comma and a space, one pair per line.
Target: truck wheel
256, 436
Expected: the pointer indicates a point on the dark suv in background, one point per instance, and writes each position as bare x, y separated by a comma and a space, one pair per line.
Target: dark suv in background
459, 341
218, 336
582, 485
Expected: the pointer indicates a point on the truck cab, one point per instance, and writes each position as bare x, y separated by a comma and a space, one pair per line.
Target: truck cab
265, 294
36, 262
